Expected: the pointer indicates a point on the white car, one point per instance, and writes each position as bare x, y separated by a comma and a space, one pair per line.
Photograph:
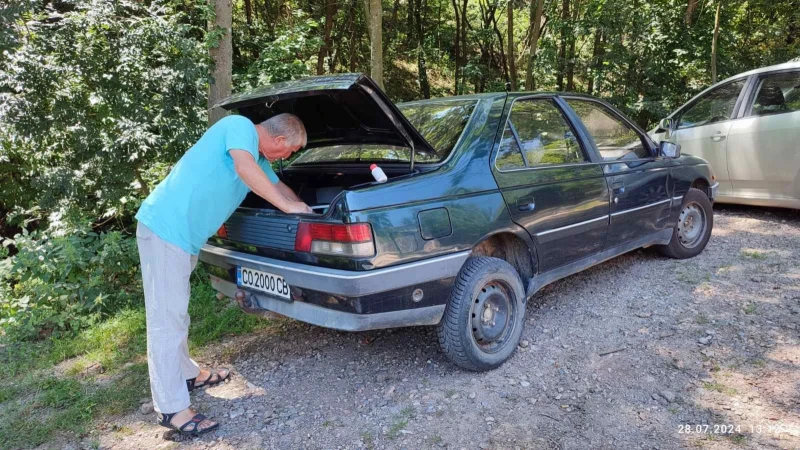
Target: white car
748, 128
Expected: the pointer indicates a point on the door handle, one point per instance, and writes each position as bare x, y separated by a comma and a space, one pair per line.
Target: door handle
718, 136
526, 204
618, 187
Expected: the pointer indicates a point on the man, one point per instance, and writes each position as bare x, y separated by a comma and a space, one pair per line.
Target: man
177, 218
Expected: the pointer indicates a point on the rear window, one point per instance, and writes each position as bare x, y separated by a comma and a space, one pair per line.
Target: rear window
439, 122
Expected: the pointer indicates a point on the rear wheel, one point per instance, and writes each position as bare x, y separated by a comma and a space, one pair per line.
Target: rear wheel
695, 222
485, 314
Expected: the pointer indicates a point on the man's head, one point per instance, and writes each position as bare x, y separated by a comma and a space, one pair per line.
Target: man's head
280, 136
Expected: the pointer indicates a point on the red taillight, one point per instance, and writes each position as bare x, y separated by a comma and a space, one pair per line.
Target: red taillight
335, 239
222, 232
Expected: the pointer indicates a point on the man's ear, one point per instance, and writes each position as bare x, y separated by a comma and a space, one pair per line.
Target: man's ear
280, 140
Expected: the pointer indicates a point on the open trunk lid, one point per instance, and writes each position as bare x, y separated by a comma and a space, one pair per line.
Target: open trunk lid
335, 109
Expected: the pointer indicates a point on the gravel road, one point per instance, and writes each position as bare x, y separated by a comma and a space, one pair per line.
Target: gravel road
638, 352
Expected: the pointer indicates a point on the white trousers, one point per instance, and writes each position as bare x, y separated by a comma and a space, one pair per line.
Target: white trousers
165, 275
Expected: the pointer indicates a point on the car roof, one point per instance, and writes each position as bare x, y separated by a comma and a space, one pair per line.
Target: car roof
739, 76
513, 94
783, 66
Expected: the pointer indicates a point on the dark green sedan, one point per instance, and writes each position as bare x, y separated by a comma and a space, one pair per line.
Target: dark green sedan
489, 198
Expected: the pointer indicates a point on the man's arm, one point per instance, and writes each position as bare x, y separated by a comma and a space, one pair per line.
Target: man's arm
287, 192
255, 178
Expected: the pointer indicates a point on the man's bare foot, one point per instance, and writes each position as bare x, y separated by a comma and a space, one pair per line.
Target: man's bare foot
202, 377
179, 419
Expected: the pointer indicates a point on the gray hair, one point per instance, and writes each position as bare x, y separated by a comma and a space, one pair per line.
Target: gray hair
287, 125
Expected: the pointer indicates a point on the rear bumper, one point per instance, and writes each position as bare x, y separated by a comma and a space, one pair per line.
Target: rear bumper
342, 299
336, 281
338, 320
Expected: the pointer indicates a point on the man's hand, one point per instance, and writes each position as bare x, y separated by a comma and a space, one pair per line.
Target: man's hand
299, 208
255, 178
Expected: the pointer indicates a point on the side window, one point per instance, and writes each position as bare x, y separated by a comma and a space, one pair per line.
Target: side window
715, 106
537, 134
614, 138
777, 93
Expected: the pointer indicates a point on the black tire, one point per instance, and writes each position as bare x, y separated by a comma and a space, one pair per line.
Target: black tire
482, 285
695, 204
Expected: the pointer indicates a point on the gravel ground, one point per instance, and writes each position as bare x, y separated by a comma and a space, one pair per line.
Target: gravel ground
638, 352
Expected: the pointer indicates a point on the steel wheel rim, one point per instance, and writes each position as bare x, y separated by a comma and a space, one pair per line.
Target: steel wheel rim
492, 316
691, 225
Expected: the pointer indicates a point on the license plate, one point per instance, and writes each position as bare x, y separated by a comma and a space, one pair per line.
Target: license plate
262, 281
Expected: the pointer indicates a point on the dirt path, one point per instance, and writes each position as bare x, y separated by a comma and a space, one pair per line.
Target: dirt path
695, 348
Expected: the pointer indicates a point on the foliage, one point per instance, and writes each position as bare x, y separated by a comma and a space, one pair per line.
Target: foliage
66, 283
70, 401
270, 53
90, 99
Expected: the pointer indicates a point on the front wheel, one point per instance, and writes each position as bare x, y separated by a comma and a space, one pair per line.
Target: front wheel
693, 230
485, 314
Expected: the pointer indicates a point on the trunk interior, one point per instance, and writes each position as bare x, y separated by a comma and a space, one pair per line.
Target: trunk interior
317, 189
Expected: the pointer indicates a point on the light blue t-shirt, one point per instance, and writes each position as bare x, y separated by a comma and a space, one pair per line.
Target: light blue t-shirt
203, 189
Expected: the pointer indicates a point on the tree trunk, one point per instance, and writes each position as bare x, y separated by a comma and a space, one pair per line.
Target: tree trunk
714, 43
512, 64
374, 14
597, 61
464, 48
391, 27
219, 86
691, 6
562, 50
424, 85
330, 12
536, 24
503, 62
457, 88
351, 53
248, 11
572, 38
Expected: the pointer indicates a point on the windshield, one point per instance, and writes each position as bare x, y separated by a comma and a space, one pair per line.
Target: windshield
439, 122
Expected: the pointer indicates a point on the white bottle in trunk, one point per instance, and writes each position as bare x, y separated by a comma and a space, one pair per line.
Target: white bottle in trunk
377, 172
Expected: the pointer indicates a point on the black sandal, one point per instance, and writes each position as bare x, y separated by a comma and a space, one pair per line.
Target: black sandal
165, 420
214, 378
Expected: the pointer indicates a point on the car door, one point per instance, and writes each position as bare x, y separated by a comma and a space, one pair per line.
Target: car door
639, 181
703, 126
763, 156
549, 182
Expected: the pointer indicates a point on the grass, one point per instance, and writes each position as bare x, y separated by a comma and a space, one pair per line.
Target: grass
701, 319
760, 363
721, 388
738, 439
37, 402
401, 422
368, 439
750, 308
753, 254
691, 275
396, 427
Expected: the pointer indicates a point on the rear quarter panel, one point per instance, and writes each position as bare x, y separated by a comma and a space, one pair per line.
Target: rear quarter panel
463, 185
472, 217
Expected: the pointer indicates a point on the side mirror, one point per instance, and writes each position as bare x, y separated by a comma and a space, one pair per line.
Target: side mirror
668, 149
666, 124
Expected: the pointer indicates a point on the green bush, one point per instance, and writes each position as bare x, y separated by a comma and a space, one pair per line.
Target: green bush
60, 284
91, 101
